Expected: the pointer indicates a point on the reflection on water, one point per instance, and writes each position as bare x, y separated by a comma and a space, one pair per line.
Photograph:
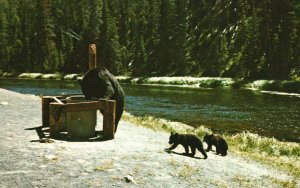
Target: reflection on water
220, 109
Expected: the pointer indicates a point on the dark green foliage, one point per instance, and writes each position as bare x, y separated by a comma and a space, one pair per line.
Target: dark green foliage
286, 86
211, 84
237, 84
258, 39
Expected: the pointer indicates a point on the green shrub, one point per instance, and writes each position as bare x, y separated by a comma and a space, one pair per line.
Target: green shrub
211, 83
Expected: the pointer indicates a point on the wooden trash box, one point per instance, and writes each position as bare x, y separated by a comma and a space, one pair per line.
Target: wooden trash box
77, 117
81, 124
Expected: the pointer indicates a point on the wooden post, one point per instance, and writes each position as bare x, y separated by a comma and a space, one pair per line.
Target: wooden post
46, 100
45, 110
109, 119
92, 56
57, 116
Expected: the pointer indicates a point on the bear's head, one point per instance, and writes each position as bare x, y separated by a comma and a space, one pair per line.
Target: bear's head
173, 138
207, 138
93, 84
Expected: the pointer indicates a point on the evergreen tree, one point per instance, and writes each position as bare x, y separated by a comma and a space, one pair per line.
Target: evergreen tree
24, 60
166, 29
139, 25
180, 35
4, 51
123, 35
280, 62
14, 34
109, 40
151, 36
237, 38
45, 52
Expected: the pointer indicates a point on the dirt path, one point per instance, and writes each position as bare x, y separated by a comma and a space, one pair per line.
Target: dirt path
136, 153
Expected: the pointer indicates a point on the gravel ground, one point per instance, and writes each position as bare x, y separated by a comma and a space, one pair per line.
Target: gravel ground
135, 158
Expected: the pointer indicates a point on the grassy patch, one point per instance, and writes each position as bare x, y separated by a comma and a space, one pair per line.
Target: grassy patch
164, 125
187, 171
217, 82
218, 183
290, 183
282, 155
105, 166
244, 181
206, 82
173, 163
276, 85
30, 75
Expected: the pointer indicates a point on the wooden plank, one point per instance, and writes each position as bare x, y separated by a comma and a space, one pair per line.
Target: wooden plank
109, 119
57, 100
83, 106
81, 124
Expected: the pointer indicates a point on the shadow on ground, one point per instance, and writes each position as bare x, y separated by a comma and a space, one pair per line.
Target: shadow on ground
183, 154
43, 134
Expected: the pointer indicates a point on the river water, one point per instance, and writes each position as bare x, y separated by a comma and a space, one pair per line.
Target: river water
229, 110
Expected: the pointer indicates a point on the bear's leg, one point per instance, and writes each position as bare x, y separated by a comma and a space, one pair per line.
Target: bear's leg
119, 112
202, 151
186, 149
217, 150
193, 148
173, 146
208, 147
224, 152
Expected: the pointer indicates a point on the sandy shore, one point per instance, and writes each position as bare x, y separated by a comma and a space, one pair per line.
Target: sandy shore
136, 153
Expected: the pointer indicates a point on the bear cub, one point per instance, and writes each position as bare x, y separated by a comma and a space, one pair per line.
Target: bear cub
187, 140
217, 141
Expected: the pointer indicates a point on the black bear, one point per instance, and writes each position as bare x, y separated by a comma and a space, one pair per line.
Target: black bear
187, 140
217, 141
99, 83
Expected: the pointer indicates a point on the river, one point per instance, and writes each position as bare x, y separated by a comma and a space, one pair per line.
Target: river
230, 110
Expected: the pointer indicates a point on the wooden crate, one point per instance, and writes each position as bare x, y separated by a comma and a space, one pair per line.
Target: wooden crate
63, 115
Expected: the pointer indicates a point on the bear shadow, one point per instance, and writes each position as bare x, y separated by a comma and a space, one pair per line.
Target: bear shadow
183, 154
44, 133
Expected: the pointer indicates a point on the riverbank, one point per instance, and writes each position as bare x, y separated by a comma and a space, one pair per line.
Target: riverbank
281, 86
282, 155
135, 158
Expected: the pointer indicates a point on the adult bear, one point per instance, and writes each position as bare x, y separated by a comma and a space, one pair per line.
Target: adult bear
99, 83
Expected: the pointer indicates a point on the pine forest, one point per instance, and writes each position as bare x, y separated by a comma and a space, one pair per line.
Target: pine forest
254, 39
